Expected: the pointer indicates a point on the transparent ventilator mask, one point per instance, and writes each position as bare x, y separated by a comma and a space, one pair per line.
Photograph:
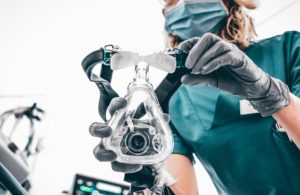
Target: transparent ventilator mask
141, 134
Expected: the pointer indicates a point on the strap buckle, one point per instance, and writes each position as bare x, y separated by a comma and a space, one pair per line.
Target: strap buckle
109, 50
180, 56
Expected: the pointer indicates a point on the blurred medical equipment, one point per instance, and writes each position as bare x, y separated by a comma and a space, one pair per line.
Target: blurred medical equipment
86, 185
14, 157
138, 138
9, 182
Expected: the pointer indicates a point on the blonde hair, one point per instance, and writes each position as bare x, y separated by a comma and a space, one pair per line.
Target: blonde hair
239, 28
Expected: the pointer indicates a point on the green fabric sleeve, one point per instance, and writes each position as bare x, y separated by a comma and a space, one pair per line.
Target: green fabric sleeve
292, 52
180, 147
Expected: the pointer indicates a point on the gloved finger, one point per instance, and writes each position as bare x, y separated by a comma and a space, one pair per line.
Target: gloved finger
102, 154
100, 130
203, 44
223, 60
201, 80
188, 44
125, 168
116, 104
215, 51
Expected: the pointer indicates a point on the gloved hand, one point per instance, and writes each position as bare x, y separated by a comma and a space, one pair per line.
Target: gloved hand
220, 64
106, 102
102, 130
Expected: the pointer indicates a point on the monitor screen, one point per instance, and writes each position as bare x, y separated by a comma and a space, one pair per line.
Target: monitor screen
85, 185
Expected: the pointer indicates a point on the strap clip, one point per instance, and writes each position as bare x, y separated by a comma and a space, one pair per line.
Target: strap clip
180, 56
109, 50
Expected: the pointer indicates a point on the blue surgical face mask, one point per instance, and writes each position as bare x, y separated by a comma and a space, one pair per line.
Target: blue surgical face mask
193, 18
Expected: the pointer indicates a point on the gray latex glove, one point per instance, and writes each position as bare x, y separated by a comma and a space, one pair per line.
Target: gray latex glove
102, 130
220, 64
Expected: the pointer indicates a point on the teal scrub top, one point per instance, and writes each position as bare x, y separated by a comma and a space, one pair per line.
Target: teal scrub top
243, 154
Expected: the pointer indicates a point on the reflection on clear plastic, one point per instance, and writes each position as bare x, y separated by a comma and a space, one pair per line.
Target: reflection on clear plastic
140, 133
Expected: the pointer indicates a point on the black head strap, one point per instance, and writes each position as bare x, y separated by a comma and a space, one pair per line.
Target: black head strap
103, 78
102, 57
172, 81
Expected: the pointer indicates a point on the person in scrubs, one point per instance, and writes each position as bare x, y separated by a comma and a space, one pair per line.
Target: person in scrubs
238, 111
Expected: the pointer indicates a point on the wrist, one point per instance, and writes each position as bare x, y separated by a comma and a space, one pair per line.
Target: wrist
277, 97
